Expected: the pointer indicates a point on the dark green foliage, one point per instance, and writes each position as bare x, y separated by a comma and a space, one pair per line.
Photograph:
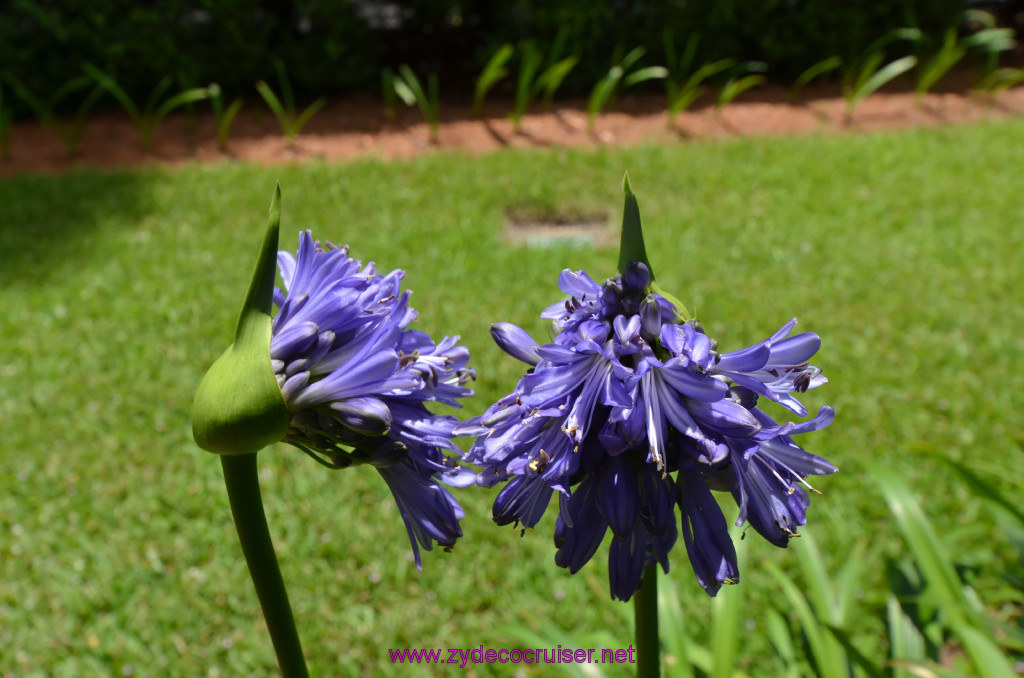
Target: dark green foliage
197, 42
336, 46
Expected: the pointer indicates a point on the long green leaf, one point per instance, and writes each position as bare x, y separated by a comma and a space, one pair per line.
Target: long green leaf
684, 100
387, 92
551, 79
868, 68
529, 61
287, 98
988, 660
828, 656
180, 99
782, 640
632, 57
644, 74
283, 117
1000, 79
887, 73
727, 623
940, 574
116, 91
601, 93
735, 87
224, 123
494, 70
304, 117
43, 113
983, 490
906, 642
948, 56
855, 655
404, 92
908, 34
156, 95
818, 69
671, 621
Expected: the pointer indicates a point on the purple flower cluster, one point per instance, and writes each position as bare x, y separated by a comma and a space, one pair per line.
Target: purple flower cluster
355, 379
626, 395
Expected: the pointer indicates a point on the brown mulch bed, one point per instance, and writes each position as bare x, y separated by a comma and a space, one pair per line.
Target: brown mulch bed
356, 127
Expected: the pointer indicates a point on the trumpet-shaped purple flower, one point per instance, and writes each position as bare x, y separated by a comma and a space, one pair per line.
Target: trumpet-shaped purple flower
355, 379
630, 412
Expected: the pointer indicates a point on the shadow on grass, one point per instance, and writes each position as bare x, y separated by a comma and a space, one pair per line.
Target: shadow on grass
47, 225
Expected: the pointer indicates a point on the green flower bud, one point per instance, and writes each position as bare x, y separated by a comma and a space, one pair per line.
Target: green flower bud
239, 408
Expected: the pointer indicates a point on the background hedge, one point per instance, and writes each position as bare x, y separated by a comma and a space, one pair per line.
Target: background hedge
339, 46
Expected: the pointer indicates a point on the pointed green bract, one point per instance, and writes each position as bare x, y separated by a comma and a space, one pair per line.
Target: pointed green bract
239, 408
632, 248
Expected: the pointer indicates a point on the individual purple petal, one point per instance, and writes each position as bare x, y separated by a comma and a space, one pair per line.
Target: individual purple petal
637, 276
295, 339
369, 416
580, 528
626, 559
515, 341
524, 499
692, 384
429, 512
747, 359
706, 535
726, 417
618, 498
795, 350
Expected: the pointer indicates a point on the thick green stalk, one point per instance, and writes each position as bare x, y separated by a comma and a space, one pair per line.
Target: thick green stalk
243, 485
645, 610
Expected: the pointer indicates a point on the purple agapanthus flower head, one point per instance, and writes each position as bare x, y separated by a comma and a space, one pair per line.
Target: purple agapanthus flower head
356, 378
630, 413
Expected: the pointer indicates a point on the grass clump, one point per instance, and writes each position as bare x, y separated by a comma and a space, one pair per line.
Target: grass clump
120, 289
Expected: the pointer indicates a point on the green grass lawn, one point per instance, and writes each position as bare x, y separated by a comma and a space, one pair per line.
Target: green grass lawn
117, 290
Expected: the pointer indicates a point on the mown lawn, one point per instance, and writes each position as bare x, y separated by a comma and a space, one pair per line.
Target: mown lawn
117, 291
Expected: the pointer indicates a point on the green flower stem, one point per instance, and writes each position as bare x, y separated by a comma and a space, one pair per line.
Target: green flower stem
645, 610
243, 485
